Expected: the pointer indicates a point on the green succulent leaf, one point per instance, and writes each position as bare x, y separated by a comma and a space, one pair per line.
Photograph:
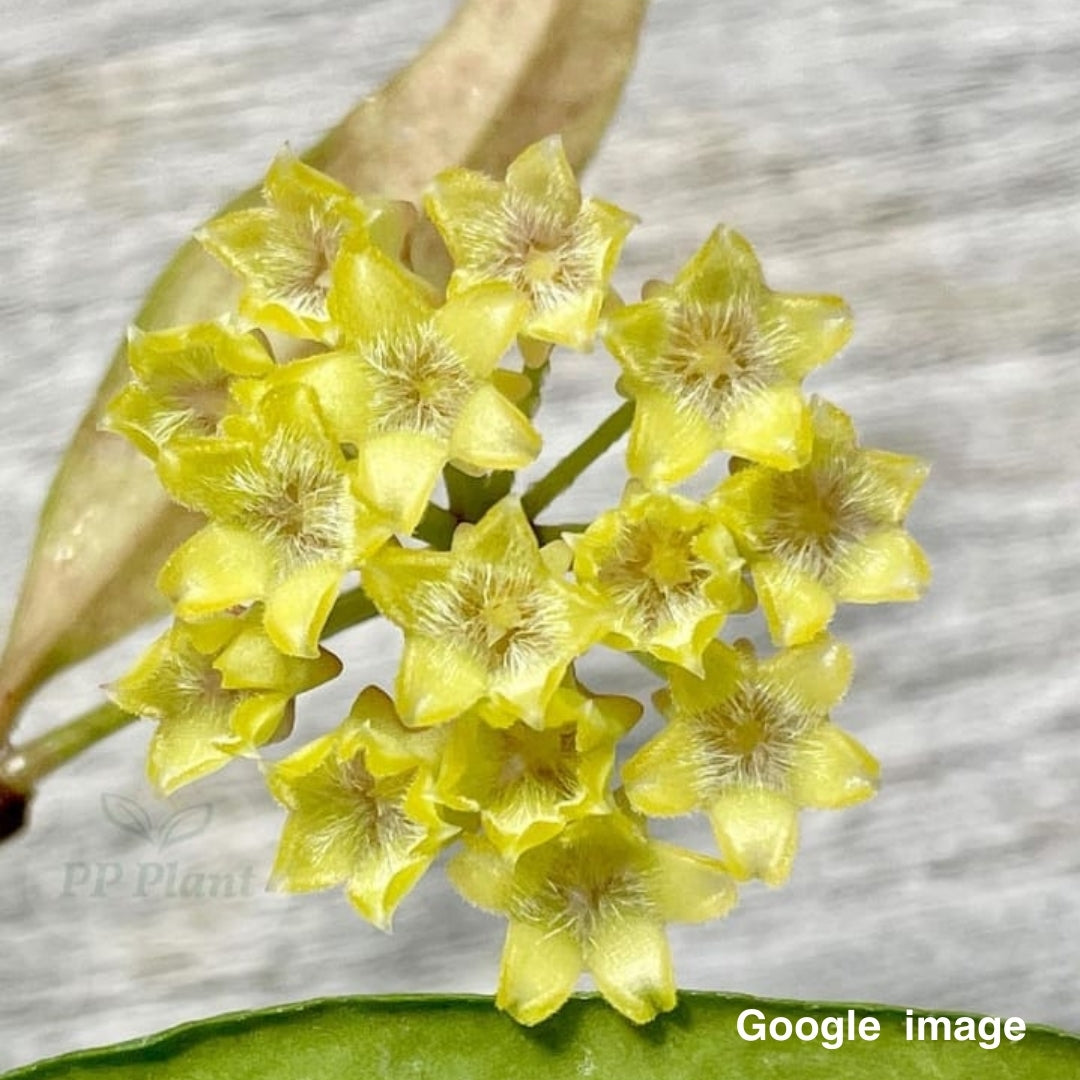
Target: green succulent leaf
530, 69
444, 1038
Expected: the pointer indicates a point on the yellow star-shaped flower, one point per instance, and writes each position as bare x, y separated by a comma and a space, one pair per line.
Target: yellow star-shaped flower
284, 251
361, 811
595, 898
287, 519
751, 743
416, 385
216, 690
715, 362
527, 784
491, 618
534, 232
831, 531
667, 570
180, 385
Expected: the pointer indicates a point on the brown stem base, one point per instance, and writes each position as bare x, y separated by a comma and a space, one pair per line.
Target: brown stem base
13, 806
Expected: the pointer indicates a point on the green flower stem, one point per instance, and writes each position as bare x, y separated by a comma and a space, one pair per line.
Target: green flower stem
546, 533
21, 767
472, 496
537, 376
548, 488
351, 607
437, 527
650, 663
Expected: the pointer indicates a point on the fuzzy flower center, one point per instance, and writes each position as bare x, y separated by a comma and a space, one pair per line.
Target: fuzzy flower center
298, 266
195, 688
421, 383
504, 618
203, 404
589, 884
653, 570
296, 497
818, 514
749, 739
376, 811
541, 267
715, 353
541, 255
536, 763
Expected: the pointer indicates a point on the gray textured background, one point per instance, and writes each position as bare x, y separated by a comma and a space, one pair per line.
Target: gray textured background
920, 158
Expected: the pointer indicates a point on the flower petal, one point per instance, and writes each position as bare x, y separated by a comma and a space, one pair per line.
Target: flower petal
757, 832
797, 607
188, 749
900, 477
808, 330
401, 581
614, 224
526, 692
285, 778
297, 608
770, 426
570, 322
198, 474
315, 852
258, 718
218, 568
371, 296
833, 428
543, 176
251, 662
818, 674
342, 388
493, 434
692, 888
515, 829
538, 973
480, 325
482, 876
381, 881
744, 503
397, 473
886, 566
661, 778
723, 268
683, 643
503, 535
436, 682
389, 746
456, 201
667, 444
724, 667
831, 770
636, 335
630, 959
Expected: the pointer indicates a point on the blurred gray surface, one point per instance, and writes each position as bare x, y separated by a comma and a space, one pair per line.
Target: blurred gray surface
920, 159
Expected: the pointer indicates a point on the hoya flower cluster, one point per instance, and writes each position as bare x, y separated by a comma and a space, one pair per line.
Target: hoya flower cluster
311, 427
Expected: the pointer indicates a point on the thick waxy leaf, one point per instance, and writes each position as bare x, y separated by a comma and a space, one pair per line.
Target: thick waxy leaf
446, 1038
499, 77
